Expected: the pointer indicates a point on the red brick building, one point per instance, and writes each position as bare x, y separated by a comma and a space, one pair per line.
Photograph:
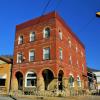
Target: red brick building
48, 56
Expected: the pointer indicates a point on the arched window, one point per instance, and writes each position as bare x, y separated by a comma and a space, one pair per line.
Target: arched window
71, 81
46, 33
32, 36
78, 81
20, 40
31, 79
60, 35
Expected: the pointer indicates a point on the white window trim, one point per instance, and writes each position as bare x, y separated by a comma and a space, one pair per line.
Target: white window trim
80, 81
29, 55
44, 32
60, 35
31, 36
19, 38
70, 58
44, 53
61, 52
28, 78
17, 57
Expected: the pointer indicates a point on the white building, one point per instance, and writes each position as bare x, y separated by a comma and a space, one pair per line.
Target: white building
97, 73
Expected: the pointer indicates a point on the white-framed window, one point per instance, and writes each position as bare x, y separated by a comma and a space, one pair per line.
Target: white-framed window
31, 79
60, 54
20, 40
78, 81
71, 81
81, 53
70, 43
77, 62
46, 32
19, 58
32, 36
31, 55
60, 35
70, 59
46, 53
76, 49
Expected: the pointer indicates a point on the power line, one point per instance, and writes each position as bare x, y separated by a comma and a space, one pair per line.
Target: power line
86, 25
57, 5
46, 6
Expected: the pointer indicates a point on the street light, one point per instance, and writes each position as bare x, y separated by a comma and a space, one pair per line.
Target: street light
97, 14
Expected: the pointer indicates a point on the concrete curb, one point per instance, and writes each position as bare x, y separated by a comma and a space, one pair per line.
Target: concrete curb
14, 98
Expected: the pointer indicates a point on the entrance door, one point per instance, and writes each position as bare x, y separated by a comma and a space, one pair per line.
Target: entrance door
19, 77
60, 80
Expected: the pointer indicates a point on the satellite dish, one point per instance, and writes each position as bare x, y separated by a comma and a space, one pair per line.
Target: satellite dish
98, 14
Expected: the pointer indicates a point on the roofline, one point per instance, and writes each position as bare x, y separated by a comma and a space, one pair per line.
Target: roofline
44, 18
8, 60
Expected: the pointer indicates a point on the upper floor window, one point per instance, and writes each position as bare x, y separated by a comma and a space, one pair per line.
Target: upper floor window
31, 55
70, 43
81, 53
77, 62
19, 58
32, 36
46, 33
20, 40
76, 49
70, 59
46, 53
60, 35
60, 54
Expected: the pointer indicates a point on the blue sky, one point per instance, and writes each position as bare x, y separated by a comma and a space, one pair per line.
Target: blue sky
78, 14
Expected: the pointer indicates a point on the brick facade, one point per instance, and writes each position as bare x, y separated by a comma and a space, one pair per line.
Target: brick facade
76, 51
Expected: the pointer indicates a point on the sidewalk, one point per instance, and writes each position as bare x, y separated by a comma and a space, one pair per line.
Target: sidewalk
89, 97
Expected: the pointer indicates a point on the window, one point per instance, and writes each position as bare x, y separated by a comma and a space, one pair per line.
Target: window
77, 62
60, 54
70, 59
46, 33
71, 81
70, 43
78, 81
46, 53
76, 49
32, 36
31, 55
60, 35
81, 53
31, 79
19, 58
2, 82
20, 40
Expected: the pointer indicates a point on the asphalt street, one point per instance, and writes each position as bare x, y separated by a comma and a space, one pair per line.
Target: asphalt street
5, 98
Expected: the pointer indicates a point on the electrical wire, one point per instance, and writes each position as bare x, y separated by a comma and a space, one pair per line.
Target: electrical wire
87, 24
46, 6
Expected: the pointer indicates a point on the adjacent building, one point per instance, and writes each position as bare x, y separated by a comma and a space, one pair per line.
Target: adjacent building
92, 80
97, 73
48, 56
5, 74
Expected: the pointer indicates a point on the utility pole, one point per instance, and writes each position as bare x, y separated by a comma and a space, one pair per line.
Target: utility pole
98, 14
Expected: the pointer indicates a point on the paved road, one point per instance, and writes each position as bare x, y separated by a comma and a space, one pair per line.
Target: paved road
68, 98
5, 98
